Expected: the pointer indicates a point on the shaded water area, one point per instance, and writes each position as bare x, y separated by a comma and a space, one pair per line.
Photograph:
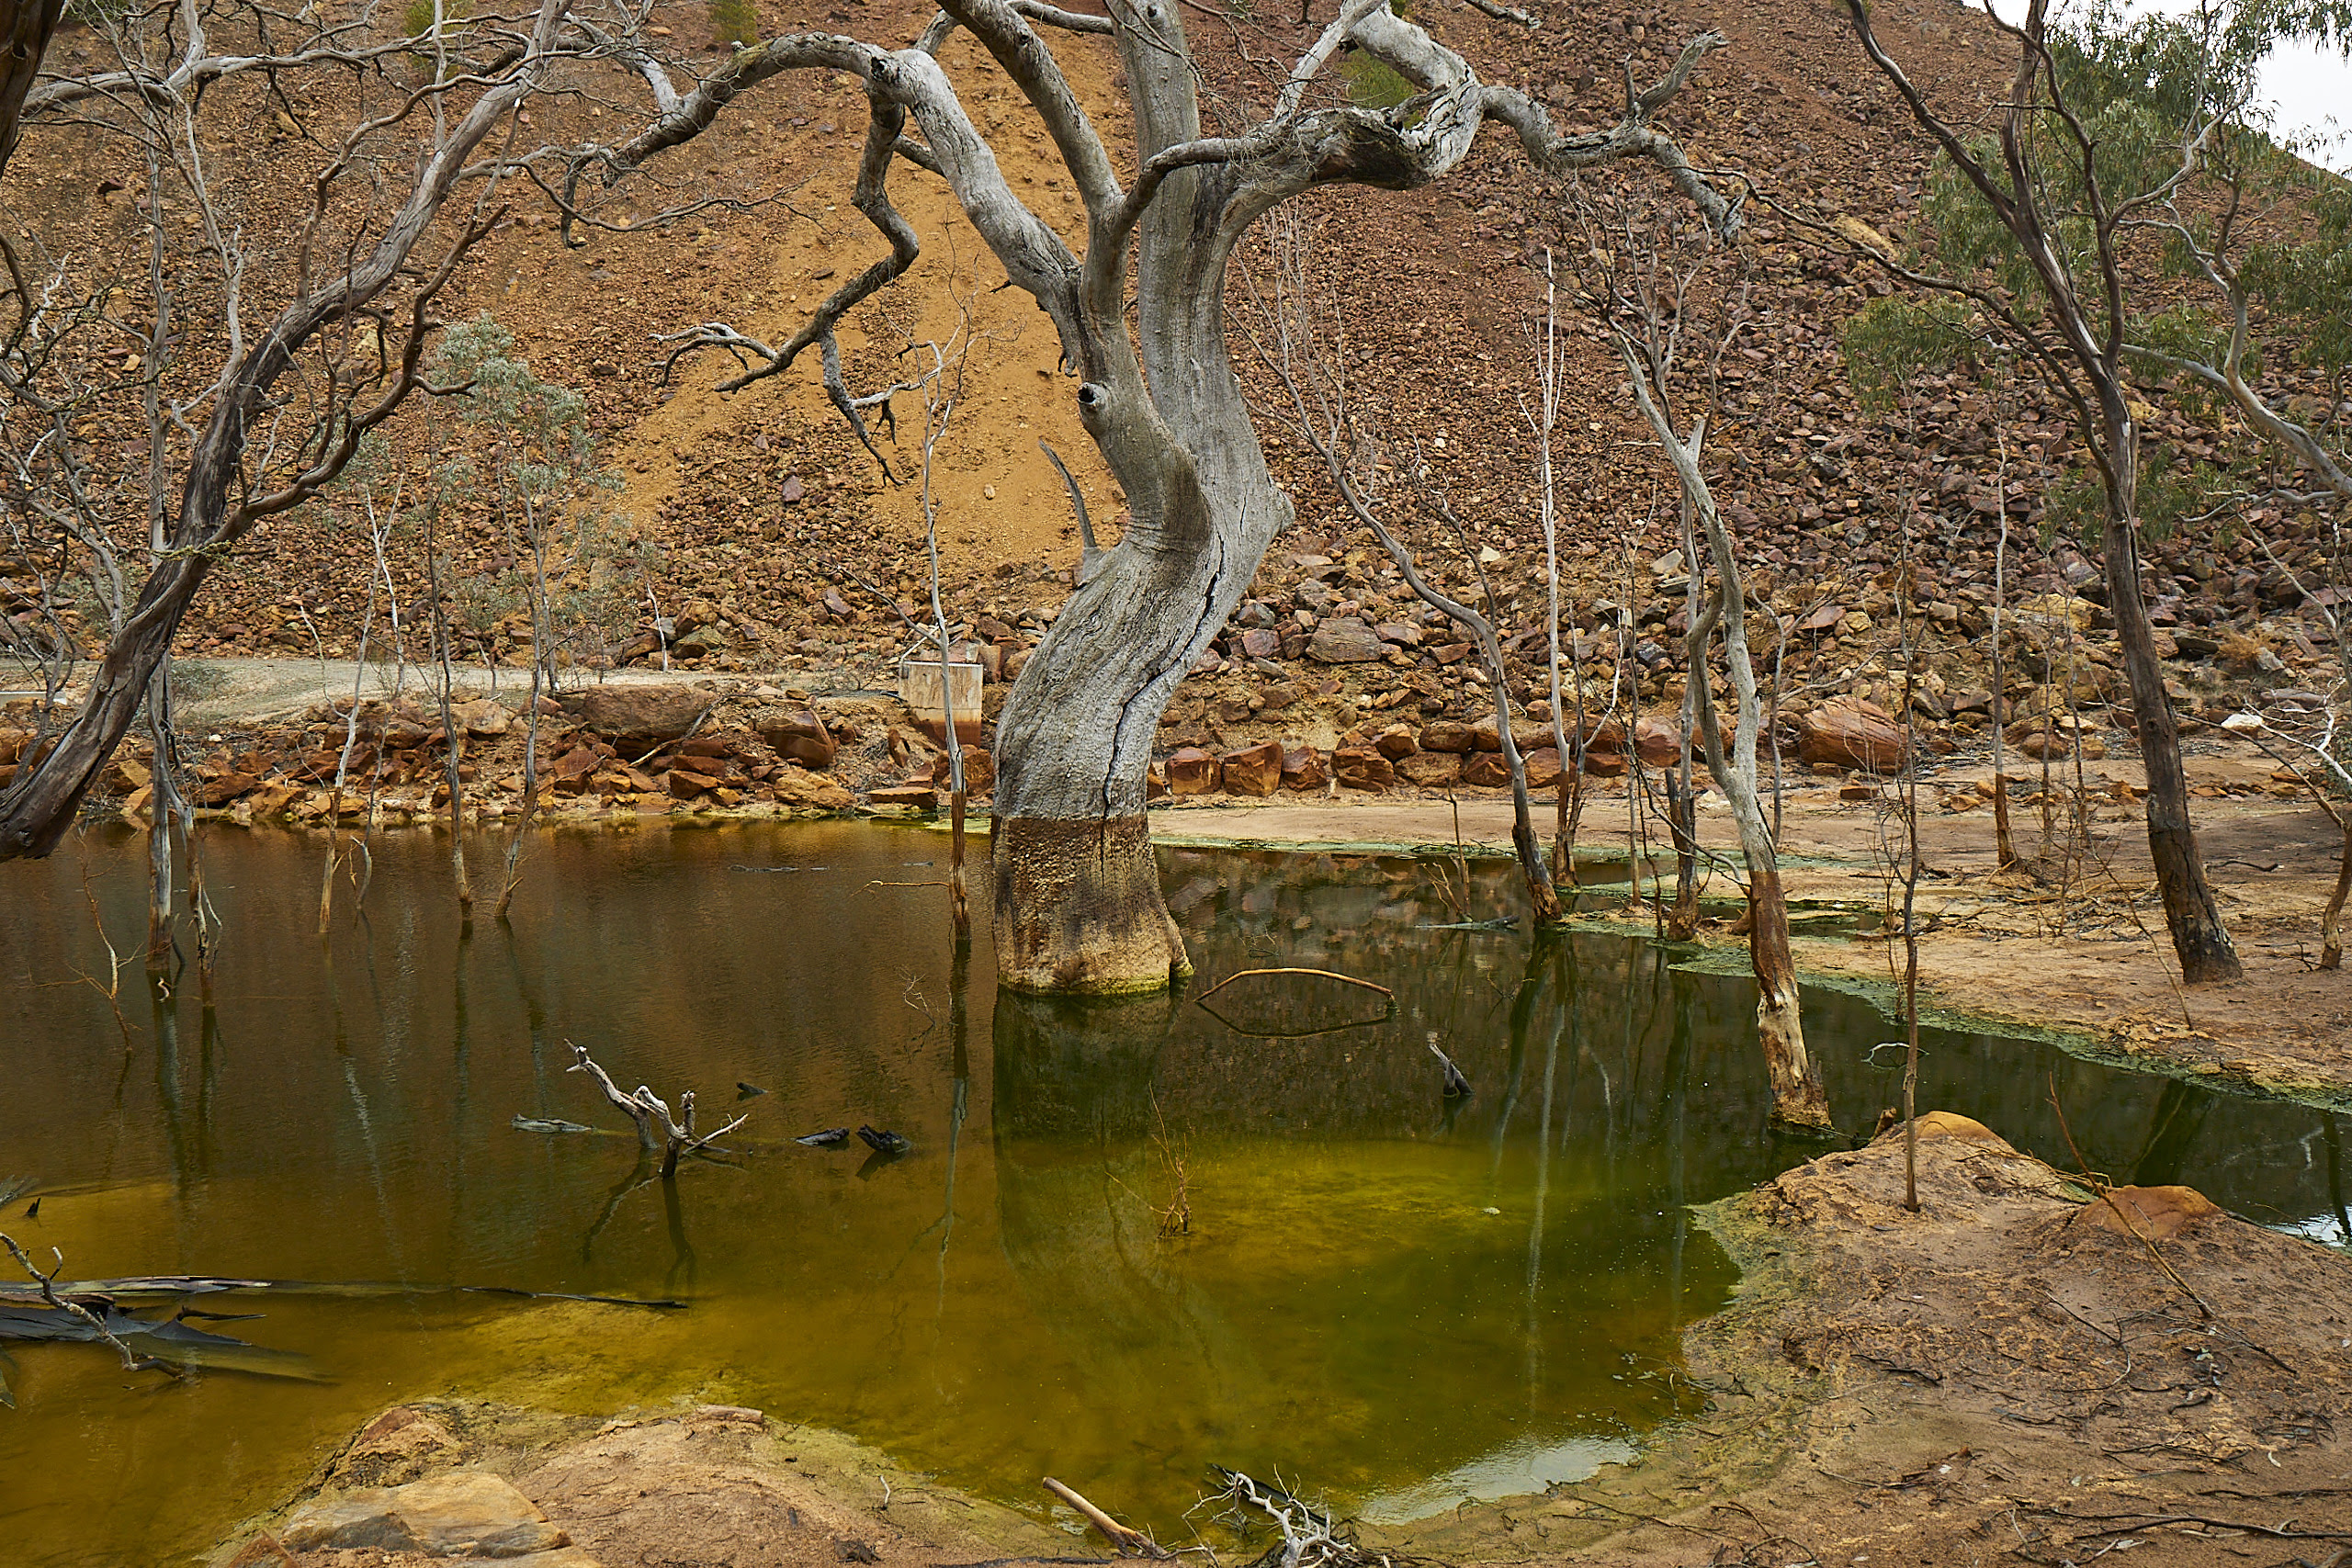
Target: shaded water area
1397, 1298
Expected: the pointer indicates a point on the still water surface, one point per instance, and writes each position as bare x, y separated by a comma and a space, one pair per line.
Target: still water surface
1397, 1300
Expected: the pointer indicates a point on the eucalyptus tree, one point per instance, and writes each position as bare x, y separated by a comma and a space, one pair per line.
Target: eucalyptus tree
1141, 318
2047, 224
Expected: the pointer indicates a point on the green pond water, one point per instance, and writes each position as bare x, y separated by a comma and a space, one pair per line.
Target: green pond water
1397, 1299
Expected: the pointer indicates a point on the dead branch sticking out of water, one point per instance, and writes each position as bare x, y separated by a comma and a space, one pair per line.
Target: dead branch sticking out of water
647, 1109
131, 1361
1128, 1542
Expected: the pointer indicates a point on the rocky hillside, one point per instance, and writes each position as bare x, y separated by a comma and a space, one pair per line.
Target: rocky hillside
755, 535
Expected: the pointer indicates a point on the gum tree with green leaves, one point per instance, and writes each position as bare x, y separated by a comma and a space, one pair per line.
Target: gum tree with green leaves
2050, 222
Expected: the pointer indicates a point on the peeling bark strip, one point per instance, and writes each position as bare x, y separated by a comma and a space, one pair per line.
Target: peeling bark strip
1078, 903
1078, 908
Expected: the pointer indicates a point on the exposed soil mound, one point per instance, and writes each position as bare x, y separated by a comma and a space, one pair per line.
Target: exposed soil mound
2000, 1377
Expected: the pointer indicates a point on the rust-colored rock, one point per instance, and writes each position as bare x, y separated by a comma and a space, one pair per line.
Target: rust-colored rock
1191, 770
1431, 770
914, 792
1484, 770
468, 1513
980, 772
1303, 768
2158, 1213
1658, 742
226, 788
1448, 735
800, 737
1543, 768
576, 763
684, 783
1850, 734
1345, 640
1946, 1124
1253, 770
1397, 742
634, 718
1487, 737
798, 786
1361, 767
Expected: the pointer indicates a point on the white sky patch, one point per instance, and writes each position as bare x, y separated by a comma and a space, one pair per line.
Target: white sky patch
2307, 88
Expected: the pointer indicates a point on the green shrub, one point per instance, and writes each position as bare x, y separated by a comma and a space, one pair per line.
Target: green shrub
735, 22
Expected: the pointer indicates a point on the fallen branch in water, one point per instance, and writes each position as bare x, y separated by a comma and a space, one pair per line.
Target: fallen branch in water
1132, 1542
1325, 974
131, 1362
171, 1287
645, 1106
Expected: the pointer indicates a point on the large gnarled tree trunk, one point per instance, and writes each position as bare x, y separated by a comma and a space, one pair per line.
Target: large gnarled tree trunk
1078, 904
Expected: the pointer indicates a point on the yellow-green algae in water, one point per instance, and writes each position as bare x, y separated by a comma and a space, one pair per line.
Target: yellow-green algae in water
1395, 1299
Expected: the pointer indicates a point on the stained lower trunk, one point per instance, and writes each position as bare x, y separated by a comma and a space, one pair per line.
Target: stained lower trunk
1682, 821
1798, 1099
2198, 938
1078, 908
2331, 919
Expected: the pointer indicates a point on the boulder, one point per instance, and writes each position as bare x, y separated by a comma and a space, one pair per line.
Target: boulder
466, 1514
226, 788
684, 783
2157, 1214
1484, 770
483, 718
980, 772
1487, 737
1658, 742
1431, 770
1544, 768
800, 737
575, 765
1253, 770
1303, 768
1345, 640
917, 792
1604, 765
798, 786
1361, 767
1448, 735
634, 718
1192, 772
1853, 735
1397, 742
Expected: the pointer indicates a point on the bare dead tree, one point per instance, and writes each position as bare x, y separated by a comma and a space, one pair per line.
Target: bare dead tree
283, 409
1649, 292
1299, 336
1078, 906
